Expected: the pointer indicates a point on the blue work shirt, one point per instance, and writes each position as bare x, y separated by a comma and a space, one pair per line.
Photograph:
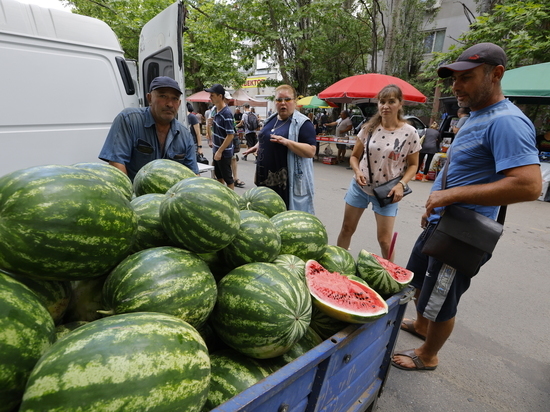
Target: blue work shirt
132, 141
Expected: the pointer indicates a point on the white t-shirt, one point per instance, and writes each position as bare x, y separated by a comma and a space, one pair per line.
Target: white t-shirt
343, 124
388, 153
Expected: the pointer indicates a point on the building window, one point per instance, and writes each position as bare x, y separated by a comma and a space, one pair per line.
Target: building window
434, 41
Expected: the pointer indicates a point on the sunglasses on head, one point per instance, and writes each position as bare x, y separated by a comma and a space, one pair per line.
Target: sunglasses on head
283, 99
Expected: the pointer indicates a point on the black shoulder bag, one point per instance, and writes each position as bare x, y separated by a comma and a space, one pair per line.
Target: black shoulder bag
381, 192
462, 238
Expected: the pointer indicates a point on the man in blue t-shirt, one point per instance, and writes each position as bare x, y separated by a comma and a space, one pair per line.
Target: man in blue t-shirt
141, 135
223, 132
493, 162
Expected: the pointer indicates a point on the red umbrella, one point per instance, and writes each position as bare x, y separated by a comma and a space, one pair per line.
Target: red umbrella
363, 87
201, 96
204, 97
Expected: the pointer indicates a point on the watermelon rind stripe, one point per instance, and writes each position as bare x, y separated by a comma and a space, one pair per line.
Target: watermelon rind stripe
262, 310
302, 234
62, 223
26, 331
164, 279
199, 214
139, 361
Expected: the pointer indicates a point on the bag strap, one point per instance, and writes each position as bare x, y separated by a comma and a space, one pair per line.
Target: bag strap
502, 211
368, 157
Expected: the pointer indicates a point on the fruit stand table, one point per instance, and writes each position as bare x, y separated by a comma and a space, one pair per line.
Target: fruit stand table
205, 168
346, 372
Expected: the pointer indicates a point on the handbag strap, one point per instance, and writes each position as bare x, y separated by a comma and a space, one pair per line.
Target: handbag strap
502, 211
368, 157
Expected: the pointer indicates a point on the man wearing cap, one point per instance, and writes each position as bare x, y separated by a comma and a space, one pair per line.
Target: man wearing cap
492, 161
222, 132
141, 135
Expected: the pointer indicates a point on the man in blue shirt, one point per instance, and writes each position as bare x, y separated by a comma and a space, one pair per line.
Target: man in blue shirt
223, 132
493, 162
141, 135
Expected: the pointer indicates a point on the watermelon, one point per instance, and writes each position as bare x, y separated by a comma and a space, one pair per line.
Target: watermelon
160, 175
200, 214
54, 295
86, 300
150, 232
325, 325
262, 199
216, 263
232, 373
63, 330
310, 340
293, 264
26, 332
164, 279
385, 277
338, 259
256, 241
111, 175
342, 298
130, 362
262, 310
62, 223
302, 234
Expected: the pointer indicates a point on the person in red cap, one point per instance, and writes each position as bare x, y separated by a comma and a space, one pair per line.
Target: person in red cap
493, 161
140, 135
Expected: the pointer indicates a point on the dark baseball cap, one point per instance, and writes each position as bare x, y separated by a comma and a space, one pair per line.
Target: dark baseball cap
163, 81
473, 57
216, 88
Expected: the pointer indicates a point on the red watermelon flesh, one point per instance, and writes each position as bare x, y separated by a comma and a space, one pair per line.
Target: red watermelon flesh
342, 298
385, 277
400, 274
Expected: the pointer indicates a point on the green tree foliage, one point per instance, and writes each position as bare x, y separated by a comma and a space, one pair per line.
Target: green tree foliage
520, 27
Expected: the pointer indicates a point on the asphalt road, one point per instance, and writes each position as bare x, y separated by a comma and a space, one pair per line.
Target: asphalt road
498, 357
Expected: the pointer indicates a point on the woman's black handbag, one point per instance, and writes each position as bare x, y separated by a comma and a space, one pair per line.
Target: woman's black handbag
463, 238
201, 159
381, 192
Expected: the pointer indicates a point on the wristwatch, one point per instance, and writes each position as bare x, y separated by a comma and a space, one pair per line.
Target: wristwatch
405, 186
200, 147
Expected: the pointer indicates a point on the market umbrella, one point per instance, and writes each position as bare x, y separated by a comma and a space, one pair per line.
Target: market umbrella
204, 97
241, 97
364, 88
313, 102
528, 84
201, 97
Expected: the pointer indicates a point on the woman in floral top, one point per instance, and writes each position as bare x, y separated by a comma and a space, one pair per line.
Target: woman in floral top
393, 148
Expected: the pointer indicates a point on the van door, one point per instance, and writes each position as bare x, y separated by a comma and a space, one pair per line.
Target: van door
161, 50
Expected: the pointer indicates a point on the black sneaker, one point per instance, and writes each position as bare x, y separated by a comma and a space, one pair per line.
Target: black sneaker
244, 158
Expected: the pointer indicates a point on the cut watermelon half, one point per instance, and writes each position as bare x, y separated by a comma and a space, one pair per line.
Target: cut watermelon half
385, 277
342, 298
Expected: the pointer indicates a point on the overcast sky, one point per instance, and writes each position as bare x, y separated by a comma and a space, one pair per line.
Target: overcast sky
52, 4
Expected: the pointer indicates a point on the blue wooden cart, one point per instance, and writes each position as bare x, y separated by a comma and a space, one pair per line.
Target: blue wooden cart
346, 372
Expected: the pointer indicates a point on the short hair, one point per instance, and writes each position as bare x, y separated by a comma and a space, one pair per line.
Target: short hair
287, 87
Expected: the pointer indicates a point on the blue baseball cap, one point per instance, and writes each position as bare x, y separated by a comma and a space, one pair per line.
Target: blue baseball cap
164, 81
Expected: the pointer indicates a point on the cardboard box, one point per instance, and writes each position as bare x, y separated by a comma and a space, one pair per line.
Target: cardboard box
329, 160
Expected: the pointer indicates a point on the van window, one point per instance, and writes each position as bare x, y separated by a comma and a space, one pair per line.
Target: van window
158, 64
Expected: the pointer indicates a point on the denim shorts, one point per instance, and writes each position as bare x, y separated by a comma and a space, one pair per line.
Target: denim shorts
356, 197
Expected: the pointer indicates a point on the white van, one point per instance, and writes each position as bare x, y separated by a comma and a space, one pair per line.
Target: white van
63, 79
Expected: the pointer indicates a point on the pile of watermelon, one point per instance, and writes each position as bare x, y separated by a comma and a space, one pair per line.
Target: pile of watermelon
171, 293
